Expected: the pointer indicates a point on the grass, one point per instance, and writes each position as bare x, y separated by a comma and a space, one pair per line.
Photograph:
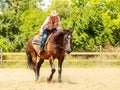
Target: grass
73, 61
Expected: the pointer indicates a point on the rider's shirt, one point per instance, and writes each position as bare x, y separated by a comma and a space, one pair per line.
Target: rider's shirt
50, 22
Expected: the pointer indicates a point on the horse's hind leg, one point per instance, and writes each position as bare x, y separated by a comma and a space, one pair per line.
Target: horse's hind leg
52, 70
38, 67
34, 60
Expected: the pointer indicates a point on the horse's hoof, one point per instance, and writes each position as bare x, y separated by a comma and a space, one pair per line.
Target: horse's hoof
36, 79
48, 80
60, 81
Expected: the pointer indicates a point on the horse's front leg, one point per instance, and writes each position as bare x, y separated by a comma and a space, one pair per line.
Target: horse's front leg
38, 68
52, 70
60, 61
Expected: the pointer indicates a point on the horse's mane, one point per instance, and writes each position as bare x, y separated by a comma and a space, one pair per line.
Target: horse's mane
58, 34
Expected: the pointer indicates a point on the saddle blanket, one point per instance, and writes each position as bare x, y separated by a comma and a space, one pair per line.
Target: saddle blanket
36, 40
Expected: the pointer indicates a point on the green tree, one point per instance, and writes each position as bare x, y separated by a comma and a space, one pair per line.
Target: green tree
31, 22
11, 23
91, 29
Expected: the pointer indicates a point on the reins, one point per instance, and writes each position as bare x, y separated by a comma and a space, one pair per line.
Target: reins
56, 45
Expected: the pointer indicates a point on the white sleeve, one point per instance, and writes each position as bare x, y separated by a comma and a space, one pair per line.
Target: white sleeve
58, 27
58, 22
43, 25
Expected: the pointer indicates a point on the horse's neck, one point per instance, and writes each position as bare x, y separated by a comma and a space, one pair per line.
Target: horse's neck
58, 37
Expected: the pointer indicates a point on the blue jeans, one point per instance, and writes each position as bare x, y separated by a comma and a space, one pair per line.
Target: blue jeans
44, 38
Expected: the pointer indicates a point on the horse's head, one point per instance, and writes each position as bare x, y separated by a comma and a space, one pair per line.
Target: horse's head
63, 39
67, 41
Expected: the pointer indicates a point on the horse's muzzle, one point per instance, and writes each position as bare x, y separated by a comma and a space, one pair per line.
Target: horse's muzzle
68, 51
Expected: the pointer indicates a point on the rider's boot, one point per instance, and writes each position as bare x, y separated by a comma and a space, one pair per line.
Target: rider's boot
39, 53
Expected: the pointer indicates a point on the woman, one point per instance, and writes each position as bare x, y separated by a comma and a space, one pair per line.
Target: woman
52, 22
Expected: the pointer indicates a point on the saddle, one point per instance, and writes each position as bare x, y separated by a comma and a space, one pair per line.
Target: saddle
36, 39
36, 42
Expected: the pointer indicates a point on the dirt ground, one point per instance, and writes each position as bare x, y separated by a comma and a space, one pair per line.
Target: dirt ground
73, 79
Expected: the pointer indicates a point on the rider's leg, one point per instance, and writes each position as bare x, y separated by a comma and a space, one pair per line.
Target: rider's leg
44, 37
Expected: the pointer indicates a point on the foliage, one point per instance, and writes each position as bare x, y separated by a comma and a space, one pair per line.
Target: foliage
31, 22
17, 22
93, 25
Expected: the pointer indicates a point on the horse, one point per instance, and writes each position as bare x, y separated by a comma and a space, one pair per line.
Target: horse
58, 43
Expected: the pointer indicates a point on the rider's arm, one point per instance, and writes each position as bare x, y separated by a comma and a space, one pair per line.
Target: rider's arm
44, 25
58, 23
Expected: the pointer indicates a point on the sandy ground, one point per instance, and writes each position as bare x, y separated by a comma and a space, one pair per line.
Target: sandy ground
73, 79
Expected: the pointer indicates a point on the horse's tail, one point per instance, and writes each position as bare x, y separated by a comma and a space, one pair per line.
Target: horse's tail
29, 58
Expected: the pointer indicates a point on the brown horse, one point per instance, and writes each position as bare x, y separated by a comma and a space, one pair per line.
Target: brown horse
56, 46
